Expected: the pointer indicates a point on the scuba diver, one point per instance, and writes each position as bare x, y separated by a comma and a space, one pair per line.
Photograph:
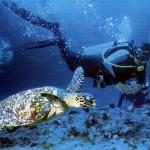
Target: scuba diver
123, 64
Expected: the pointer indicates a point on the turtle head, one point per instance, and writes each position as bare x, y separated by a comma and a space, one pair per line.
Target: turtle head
80, 100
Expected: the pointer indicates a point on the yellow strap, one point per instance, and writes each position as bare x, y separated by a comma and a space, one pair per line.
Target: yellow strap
115, 65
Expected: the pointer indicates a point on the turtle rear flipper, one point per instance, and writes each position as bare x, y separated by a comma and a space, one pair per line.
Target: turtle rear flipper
11, 129
77, 81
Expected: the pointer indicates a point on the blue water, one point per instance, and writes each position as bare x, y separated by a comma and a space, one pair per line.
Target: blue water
84, 23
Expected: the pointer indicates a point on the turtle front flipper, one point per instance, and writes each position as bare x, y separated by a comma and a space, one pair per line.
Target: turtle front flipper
77, 81
9, 128
58, 106
49, 96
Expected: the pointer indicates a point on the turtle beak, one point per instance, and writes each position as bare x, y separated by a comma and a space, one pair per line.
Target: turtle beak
93, 102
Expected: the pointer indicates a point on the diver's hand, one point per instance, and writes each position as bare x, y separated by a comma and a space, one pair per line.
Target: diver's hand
129, 89
132, 89
122, 88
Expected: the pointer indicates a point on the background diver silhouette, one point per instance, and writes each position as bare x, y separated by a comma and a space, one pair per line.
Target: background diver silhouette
123, 64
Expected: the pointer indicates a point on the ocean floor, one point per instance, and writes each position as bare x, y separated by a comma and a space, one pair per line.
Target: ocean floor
85, 129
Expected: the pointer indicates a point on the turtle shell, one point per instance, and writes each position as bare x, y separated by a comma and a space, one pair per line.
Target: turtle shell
25, 108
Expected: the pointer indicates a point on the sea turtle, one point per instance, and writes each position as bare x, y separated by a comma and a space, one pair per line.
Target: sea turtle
40, 104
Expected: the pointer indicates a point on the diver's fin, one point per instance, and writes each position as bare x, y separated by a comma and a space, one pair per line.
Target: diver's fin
40, 44
35, 20
77, 81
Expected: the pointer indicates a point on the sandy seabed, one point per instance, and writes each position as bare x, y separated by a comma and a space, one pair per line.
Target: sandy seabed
85, 129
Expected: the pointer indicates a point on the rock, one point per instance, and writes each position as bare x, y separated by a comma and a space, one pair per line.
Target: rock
105, 116
86, 110
91, 122
115, 137
112, 106
33, 127
6, 142
85, 134
128, 121
57, 123
26, 140
47, 146
73, 112
131, 107
107, 136
74, 132
34, 144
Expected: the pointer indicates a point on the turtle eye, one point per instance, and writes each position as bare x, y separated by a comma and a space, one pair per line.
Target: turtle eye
88, 97
82, 101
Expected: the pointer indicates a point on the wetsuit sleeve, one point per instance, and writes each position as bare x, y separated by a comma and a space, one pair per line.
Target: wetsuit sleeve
91, 65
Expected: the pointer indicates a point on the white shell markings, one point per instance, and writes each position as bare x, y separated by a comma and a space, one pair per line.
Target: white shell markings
55, 92
77, 81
